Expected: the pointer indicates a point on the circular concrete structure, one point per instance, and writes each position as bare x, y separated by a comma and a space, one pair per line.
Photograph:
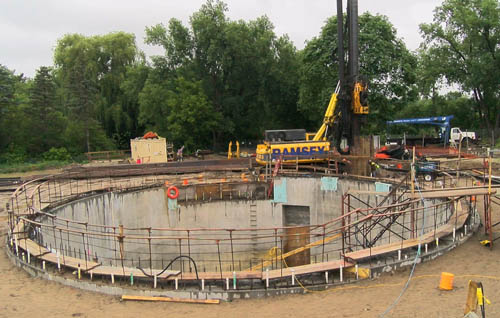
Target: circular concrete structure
229, 237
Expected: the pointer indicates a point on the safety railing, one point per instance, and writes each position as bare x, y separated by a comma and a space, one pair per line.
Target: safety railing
213, 250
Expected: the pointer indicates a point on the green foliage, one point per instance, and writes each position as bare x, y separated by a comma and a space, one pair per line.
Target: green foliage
461, 107
57, 154
221, 80
126, 112
247, 74
384, 60
46, 122
13, 101
13, 154
75, 137
28, 166
92, 70
461, 48
182, 113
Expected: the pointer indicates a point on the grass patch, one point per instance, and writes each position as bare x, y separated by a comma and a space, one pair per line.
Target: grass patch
29, 166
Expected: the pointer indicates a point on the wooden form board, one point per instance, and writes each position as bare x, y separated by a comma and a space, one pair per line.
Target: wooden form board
170, 299
47, 255
450, 193
217, 275
127, 271
307, 269
96, 268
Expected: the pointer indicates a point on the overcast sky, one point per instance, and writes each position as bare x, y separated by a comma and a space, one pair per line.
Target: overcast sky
29, 29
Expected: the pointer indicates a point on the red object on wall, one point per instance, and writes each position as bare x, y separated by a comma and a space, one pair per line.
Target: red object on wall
150, 135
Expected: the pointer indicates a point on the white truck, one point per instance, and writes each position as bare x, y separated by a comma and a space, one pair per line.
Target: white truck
458, 136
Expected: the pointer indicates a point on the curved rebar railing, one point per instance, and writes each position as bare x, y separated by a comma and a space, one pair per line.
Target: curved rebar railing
215, 250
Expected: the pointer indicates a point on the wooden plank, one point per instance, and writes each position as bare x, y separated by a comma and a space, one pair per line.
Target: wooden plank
172, 300
126, 271
450, 193
217, 275
382, 249
353, 191
307, 269
34, 249
95, 267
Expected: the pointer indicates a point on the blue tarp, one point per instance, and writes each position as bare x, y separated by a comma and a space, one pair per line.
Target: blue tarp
280, 191
172, 204
329, 183
382, 187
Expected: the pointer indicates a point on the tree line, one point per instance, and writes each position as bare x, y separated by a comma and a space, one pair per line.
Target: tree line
220, 79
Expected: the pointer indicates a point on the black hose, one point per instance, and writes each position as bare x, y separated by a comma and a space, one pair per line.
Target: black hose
170, 264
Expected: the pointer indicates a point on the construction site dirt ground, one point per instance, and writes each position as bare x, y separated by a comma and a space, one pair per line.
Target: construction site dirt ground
24, 296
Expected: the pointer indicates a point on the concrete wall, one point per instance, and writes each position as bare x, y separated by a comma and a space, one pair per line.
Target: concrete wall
150, 209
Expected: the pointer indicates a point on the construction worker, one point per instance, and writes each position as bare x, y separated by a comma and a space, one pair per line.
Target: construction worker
179, 153
373, 168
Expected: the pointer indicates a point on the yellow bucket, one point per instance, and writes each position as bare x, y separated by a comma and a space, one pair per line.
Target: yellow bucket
446, 282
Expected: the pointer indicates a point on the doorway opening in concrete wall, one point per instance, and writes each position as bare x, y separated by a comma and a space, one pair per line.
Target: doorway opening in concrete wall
298, 218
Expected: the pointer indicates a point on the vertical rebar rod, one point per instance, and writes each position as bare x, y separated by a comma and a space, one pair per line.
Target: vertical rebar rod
281, 254
343, 225
60, 235
232, 252
323, 251
54, 231
220, 263
84, 251
114, 235
121, 238
181, 266
275, 244
67, 234
39, 243
48, 189
25, 196
88, 243
150, 253
60, 190
189, 249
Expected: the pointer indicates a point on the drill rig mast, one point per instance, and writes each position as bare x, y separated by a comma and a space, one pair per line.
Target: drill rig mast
352, 98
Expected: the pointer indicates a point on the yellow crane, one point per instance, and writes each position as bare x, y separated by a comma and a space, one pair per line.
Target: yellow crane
349, 98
